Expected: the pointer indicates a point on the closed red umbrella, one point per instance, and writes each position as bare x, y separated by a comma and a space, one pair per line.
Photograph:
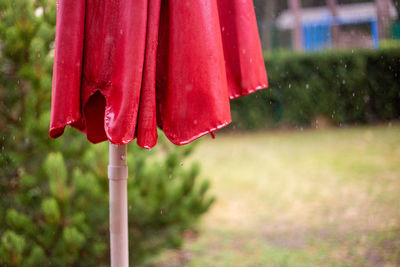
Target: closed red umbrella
124, 67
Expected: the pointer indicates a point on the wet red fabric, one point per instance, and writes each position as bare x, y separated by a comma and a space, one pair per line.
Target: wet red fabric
124, 67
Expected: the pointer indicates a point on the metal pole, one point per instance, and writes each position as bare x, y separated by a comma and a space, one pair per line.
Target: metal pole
118, 175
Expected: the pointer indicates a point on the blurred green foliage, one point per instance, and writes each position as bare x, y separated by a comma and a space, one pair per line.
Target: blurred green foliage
54, 193
342, 87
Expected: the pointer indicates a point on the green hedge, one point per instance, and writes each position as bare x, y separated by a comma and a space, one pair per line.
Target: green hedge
344, 87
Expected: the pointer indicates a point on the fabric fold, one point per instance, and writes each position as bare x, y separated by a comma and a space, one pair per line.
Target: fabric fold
147, 119
245, 67
192, 87
67, 68
122, 68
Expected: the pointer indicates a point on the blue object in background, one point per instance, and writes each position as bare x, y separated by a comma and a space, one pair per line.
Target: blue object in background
316, 35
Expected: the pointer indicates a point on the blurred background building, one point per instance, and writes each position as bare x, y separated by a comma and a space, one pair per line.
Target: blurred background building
314, 25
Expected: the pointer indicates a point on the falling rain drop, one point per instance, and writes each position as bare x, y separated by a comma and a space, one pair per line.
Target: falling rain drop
39, 11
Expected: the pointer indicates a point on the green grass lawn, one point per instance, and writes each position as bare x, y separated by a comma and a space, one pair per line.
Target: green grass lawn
326, 197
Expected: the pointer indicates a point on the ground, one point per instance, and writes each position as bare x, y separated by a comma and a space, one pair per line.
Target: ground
327, 197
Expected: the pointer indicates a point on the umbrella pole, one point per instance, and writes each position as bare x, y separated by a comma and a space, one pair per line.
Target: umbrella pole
118, 176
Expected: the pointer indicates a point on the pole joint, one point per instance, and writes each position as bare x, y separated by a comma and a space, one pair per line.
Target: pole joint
117, 172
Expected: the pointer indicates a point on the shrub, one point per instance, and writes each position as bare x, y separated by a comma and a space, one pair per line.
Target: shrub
61, 217
54, 193
344, 87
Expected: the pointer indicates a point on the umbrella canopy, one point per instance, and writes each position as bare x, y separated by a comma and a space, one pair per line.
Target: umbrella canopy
124, 67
